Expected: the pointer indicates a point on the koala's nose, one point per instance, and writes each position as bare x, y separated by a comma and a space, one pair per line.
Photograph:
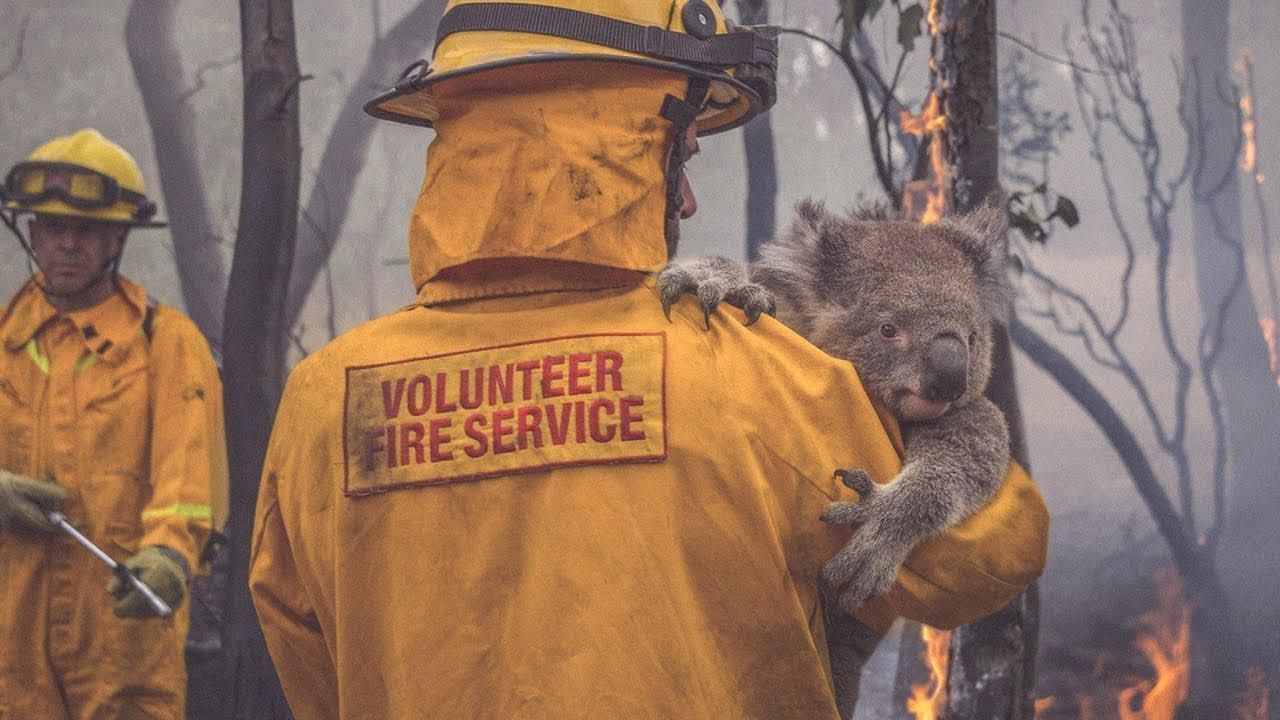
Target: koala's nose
946, 369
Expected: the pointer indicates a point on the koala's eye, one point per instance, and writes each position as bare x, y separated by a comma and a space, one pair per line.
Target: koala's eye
888, 330
973, 337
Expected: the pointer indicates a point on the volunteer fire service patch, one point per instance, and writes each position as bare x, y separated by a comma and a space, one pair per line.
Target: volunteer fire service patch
583, 400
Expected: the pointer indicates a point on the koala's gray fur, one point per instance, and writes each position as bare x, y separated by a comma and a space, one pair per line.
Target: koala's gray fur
841, 280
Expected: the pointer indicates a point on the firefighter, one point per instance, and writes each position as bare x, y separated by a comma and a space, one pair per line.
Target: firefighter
530, 494
111, 413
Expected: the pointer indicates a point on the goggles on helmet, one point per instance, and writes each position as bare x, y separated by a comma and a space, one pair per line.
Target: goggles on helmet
29, 183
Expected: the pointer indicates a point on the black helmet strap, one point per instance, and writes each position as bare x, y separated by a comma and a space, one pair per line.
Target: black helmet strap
740, 47
681, 113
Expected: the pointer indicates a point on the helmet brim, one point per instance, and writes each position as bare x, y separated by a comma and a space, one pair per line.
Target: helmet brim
415, 104
72, 213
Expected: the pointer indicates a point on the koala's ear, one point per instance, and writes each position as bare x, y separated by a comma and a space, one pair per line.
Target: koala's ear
982, 234
793, 265
988, 223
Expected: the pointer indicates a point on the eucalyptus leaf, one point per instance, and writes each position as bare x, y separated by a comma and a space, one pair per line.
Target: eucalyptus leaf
909, 26
1066, 210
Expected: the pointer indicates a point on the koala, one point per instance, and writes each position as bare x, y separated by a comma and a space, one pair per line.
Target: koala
913, 308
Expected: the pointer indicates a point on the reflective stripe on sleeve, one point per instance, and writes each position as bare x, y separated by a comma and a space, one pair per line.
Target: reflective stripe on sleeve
190, 511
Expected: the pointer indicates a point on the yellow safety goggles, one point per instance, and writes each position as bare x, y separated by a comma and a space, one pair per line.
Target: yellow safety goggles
29, 183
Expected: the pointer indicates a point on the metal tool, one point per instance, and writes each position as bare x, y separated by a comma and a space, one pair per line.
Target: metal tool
120, 569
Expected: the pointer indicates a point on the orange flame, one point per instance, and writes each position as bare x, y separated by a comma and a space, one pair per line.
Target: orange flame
1248, 119
926, 199
1268, 324
1166, 643
1255, 702
929, 700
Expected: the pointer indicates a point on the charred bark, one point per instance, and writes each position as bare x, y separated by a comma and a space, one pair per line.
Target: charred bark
991, 673
256, 329
347, 148
1249, 538
762, 164
157, 68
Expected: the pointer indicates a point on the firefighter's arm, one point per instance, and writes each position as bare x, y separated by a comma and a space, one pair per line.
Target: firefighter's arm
188, 447
278, 563
978, 566
817, 417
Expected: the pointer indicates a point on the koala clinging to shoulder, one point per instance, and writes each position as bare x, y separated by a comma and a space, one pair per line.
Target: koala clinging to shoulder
913, 308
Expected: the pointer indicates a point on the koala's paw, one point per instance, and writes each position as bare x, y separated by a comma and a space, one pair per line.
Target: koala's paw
862, 570
854, 513
714, 280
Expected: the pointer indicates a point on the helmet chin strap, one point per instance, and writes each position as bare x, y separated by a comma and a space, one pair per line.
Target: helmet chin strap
681, 114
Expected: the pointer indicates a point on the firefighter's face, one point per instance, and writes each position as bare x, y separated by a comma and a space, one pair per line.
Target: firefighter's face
688, 203
74, 253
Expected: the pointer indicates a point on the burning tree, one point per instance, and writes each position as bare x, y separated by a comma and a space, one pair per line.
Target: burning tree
1114, 107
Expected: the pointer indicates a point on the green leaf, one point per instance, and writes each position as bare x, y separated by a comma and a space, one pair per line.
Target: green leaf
909, 26
1066, 210
1030, 230
851, 13
873, 7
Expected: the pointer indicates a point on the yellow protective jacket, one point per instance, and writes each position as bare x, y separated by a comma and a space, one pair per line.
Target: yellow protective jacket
120, 404
530, 495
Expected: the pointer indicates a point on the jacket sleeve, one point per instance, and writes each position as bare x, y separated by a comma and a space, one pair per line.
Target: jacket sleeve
188, 449
292, 620
816, 417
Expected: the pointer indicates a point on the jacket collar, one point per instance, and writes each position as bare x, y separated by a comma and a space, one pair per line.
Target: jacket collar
507, 277
106, 328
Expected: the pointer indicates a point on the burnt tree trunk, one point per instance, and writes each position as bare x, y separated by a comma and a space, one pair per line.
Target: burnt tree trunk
992, 667
157, 67
255, 322
1211, 626
762, 163
347, 148
1249, 541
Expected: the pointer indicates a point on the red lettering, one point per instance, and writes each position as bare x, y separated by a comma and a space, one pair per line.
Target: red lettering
391, 446
560, 430
411, 434
500, 384
597, 433
473, 402
529, 419
579, 369
526, 368
419, 395
391, 402
580, 414
608, 363
439, 438
442, 405
374, 443
472, 428
627, 417
549, 374
502, 429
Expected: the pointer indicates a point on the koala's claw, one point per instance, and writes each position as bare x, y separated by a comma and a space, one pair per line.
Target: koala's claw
714, 280
673, 282
862, 570
841, 513
858, 481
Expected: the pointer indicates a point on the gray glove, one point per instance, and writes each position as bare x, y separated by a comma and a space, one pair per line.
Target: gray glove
159, 568
25, 503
